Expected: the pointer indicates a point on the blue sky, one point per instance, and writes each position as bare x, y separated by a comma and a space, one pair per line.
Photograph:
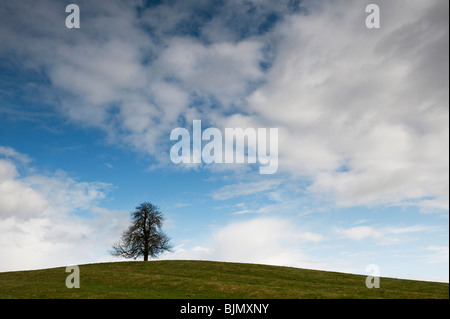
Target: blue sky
362, 116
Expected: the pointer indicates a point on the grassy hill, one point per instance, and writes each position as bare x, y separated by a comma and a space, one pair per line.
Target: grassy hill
205, 279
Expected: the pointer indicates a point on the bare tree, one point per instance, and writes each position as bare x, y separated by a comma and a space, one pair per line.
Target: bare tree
144, 237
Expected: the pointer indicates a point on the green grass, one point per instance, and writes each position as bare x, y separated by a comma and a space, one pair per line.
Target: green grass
182, 279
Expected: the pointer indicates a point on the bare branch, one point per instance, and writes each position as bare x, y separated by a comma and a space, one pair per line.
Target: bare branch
144, 236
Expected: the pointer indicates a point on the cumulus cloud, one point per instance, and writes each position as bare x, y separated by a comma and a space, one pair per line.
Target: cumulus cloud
17, 198
35, 195
223, 70
59, 239
362, 113
40, 221
356, 117
264, 240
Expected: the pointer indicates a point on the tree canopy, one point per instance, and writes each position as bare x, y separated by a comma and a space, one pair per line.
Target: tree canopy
144, 237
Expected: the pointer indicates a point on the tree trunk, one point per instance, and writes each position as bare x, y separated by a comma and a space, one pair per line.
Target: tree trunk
144, 226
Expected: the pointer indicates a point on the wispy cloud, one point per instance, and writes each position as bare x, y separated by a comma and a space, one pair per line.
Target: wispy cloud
385, 234
9, 152
243, 189
361, 232
441, 254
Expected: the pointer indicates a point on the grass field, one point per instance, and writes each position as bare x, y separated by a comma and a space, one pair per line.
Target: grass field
205, 279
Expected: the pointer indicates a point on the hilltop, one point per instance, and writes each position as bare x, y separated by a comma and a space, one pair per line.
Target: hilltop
181, 279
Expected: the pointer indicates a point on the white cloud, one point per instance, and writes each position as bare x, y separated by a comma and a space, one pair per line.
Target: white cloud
362, 114
59, 239
222, 70
264, 240
361, 232
17, 198
309, 236
441, 254
181, 253
256, 240
40, 225
386, 234
356, 117
9, 152
37, 195
66, 194
242, 189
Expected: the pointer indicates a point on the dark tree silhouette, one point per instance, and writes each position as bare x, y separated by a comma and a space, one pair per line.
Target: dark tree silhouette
144, 237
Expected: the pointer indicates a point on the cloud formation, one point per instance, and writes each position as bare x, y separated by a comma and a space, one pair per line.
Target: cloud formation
41, 218
362, 114
263, 240
358, 117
